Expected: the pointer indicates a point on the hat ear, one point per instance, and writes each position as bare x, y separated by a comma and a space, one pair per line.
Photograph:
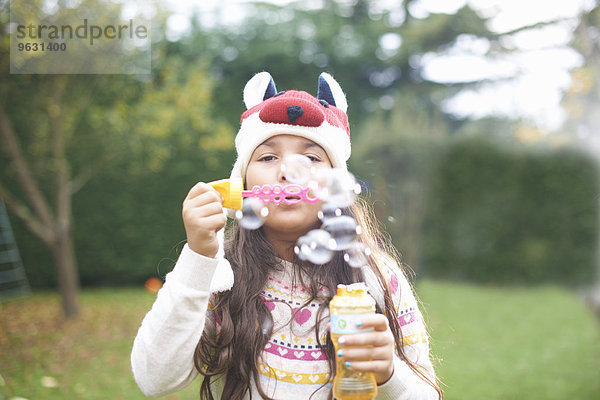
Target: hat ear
259, 88
330, 91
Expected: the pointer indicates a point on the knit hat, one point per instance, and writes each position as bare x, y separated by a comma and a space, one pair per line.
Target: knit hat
321, 119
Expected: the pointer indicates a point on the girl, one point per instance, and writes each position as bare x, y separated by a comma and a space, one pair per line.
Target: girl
248, 315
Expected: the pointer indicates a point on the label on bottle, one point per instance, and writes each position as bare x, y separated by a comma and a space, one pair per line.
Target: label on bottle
344, 324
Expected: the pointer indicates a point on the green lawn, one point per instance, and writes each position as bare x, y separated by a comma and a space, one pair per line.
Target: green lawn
520, 343
489, 344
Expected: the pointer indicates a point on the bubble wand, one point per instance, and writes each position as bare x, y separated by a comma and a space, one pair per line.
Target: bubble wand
233, 193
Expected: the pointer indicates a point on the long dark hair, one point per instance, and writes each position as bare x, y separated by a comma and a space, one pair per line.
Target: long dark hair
234, 352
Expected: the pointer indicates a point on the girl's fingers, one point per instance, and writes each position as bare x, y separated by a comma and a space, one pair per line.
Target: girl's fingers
370, 351
202, 210
379, 322
362, 354
201, 188
211, 196
197, 189
368, 339
377, 366
215, 222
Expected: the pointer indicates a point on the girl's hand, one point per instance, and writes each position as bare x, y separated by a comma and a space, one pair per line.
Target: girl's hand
370, 351
203, 217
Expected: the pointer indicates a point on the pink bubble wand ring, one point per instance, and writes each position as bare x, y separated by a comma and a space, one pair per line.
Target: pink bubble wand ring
277, 194
231, 190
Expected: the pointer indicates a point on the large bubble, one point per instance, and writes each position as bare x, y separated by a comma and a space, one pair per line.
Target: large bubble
316, 246
343, 231
335, 186
253, 213
297, 168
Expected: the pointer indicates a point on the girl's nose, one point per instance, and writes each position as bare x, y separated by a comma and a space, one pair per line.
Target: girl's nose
282, 172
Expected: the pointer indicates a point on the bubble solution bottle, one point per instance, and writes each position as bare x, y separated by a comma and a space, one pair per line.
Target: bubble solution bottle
350, 304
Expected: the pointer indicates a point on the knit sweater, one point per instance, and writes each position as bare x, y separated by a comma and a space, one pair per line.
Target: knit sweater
292, 365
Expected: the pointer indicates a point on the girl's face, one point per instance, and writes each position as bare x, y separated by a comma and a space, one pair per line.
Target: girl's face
287, 221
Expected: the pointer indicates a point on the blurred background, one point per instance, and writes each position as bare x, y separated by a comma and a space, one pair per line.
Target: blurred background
474, 129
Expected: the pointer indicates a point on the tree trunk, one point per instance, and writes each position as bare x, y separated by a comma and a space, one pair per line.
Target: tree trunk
67, 276
64, 254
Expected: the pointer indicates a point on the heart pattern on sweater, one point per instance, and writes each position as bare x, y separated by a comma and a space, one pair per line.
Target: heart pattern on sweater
394, 283
302, 316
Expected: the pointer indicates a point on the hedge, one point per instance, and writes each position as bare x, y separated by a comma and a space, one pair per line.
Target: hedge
509, 216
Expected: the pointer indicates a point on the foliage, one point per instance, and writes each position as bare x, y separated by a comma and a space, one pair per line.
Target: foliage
509, 216
296, 42
487, 343
134, 144
164, 139
393, 159
138, 144
582, 98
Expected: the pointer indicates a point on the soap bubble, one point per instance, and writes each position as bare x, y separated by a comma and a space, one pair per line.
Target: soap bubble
357, 255
267, 326
316, 246
253, 213
336, 186
343, 231
329, 211
297, 168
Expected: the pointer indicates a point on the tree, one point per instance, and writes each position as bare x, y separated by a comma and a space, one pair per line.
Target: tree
61, 131
583, 97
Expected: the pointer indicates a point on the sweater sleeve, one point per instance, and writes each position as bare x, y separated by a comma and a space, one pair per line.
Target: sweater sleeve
162, 358
405, 384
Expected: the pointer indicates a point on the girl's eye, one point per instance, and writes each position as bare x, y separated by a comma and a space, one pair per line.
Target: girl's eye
267, 158
313, 158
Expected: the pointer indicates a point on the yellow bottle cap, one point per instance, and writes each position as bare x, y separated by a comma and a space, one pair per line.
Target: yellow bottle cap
355, 289
231, 190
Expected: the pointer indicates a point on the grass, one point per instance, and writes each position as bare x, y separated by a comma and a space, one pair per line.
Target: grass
489, 343
517, 343
45, 357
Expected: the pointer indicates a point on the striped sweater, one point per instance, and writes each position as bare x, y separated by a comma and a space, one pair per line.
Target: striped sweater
292, 365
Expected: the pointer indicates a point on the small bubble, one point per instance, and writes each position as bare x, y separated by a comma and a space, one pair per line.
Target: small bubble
329, 211
253, 213
316, 246
297, 168
343, 231
337, 186
267, 326
357, 255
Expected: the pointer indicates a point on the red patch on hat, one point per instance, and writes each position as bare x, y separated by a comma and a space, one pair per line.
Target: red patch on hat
276, 110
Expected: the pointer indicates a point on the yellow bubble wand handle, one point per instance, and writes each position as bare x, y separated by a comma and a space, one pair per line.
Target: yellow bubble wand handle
231, 190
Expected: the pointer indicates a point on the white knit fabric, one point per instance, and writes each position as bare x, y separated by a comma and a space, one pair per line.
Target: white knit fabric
253, 131
162, 357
